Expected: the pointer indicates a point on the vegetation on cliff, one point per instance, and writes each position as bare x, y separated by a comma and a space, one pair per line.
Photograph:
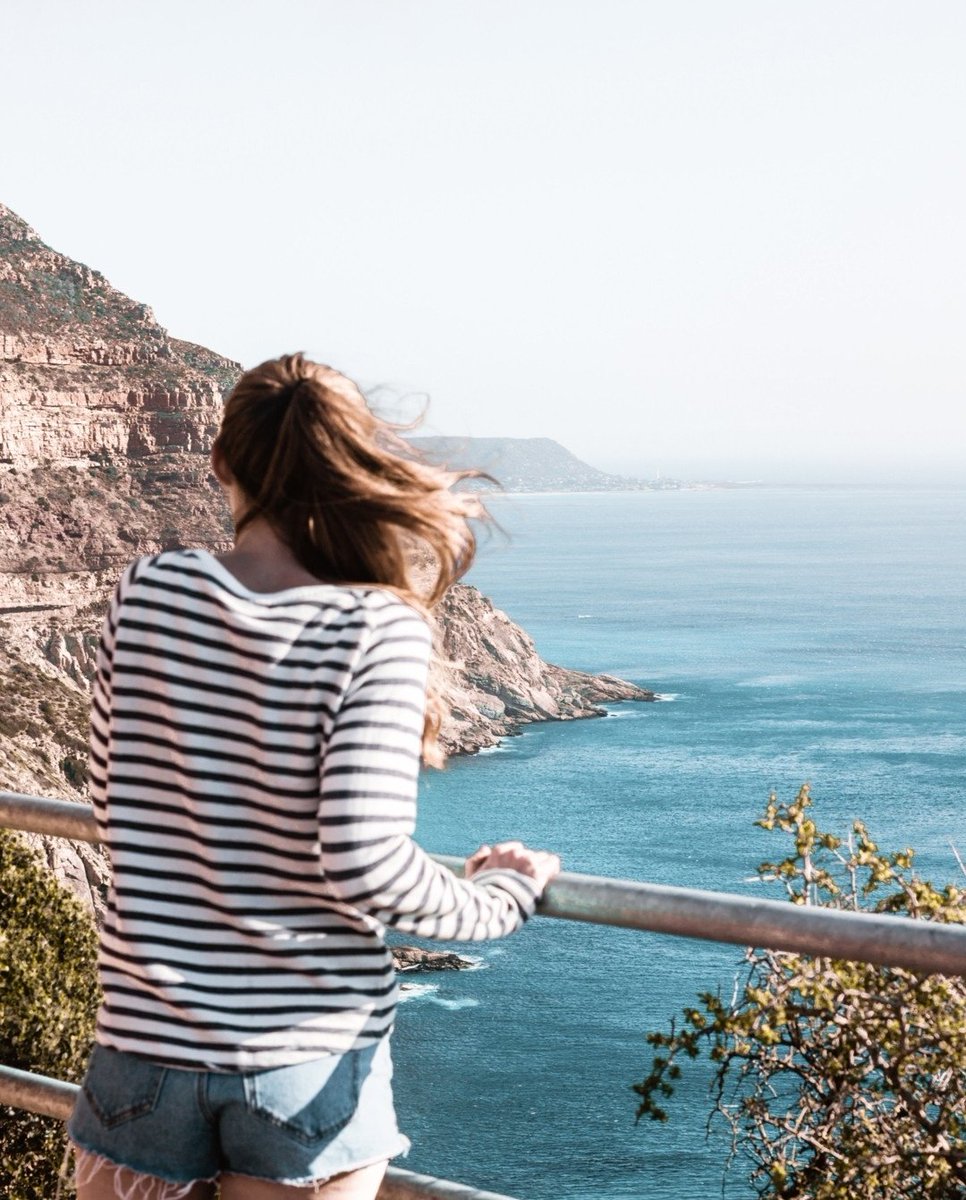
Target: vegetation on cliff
48, 1002
49, 301
837, 1079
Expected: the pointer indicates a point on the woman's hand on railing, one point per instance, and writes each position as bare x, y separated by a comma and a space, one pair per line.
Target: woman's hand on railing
540, 865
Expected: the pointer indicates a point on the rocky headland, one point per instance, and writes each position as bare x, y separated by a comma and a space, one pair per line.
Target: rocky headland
539, 464
106, 423
525, 464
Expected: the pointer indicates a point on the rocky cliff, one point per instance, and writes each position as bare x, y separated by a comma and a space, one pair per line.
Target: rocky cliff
105, 427
86, 372
491, 669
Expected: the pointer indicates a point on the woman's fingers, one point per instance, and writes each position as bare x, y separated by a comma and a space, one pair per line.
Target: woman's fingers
540, 865
475, 861
546, 866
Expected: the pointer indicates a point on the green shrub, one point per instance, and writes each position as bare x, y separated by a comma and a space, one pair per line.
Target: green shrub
838, 1080
48, 1002
74, 769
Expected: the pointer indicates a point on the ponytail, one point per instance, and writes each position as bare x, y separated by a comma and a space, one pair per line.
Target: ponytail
343, 490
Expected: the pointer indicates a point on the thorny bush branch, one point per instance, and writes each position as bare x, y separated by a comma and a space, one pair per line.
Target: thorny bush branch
836, 1079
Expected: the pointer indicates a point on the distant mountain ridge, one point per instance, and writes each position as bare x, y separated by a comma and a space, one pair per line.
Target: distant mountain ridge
537, 464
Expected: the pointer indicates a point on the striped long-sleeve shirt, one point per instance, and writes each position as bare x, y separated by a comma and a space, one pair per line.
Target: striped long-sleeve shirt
254, 762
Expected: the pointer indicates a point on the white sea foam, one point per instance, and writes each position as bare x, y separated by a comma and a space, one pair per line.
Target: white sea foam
497, 748
585, 616
667, 697
416, 991
770, 681
453, 1003
430, 992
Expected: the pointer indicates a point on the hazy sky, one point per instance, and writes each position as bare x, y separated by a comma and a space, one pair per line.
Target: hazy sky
711, 237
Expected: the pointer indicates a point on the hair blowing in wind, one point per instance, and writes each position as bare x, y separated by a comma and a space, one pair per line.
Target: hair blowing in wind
341, 488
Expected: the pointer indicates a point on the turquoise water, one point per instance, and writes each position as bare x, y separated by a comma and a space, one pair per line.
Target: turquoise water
803, 635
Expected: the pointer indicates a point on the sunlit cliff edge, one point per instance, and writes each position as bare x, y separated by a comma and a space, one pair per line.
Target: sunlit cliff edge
105, 427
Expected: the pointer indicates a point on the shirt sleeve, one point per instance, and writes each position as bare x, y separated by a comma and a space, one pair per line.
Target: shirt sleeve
367, 811
101, 705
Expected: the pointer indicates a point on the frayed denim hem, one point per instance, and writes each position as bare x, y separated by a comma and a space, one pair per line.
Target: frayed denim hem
139, 1186
318, 1184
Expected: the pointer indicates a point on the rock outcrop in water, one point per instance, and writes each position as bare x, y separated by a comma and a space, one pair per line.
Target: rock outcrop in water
414, 958
106, 423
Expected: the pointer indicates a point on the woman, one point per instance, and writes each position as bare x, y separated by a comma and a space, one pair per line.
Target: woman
257, 725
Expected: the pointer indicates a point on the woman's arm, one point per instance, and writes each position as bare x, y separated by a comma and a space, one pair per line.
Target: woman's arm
367, 812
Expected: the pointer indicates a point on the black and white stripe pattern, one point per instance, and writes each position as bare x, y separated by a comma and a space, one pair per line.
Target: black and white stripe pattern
254, 762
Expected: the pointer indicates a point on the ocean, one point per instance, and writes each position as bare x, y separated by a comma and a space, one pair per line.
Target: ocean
796, 635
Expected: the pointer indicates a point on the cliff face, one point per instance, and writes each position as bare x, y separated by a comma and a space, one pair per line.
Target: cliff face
106, 423
86, 372
105, 426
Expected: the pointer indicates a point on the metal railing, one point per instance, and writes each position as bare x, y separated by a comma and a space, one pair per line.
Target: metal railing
686, 912
890, 941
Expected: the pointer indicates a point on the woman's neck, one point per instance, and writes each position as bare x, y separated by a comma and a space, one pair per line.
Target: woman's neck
262, 562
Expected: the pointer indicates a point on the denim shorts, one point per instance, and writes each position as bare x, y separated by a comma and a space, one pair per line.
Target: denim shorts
296, 1125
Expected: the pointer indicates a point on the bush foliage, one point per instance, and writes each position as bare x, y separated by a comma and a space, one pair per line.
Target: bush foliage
837, 1079
48, 1002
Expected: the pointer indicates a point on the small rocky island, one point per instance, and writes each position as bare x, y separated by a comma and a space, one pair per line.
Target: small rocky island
413, 958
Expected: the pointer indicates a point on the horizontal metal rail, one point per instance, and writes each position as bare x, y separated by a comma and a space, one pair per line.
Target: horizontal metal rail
54, 1098
894, 941
56, 818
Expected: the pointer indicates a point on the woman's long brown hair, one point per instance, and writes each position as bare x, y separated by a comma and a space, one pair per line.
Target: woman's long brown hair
343, 490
